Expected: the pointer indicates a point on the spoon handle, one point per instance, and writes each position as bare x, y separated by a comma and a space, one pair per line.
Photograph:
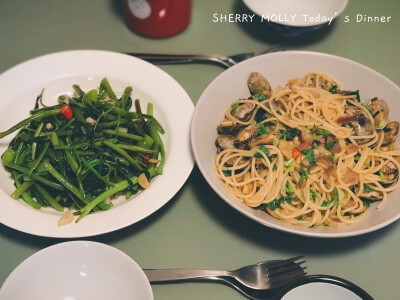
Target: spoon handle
162, 275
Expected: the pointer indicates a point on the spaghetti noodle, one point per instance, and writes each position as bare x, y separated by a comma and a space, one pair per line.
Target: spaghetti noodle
307, 153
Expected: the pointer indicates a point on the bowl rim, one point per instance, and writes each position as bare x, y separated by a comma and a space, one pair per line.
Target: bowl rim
337, 13
266, 223
93, 245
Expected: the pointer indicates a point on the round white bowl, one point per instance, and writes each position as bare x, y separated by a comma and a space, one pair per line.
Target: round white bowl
78, 270
296, 17
278, 68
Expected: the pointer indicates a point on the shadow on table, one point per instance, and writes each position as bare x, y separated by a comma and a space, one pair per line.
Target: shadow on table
265, 32
255, 233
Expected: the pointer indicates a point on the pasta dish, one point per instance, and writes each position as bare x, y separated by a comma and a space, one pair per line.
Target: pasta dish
308, 153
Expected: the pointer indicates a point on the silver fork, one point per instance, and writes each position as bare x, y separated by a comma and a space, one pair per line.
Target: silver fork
261, 276
226, 61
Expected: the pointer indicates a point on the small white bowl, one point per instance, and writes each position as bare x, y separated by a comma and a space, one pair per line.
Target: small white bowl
78, 270
295, 17
278, 68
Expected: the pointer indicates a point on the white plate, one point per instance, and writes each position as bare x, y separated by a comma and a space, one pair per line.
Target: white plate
56, 73
75, 271
278, 68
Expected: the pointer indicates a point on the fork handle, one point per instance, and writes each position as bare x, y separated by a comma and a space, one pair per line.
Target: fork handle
163, 275
180, 58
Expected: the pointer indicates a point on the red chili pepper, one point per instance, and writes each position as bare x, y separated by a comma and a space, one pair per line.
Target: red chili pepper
146, 158
66, 111
295, 153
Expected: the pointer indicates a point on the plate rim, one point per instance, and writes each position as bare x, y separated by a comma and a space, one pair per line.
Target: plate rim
266, 223
187, 154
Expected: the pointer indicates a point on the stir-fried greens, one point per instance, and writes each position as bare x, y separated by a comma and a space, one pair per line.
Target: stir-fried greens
84, 151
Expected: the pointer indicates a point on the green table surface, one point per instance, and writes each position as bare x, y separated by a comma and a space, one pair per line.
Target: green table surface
196, 229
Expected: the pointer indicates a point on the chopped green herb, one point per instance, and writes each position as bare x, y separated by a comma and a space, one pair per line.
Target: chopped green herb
234, 108
263, 149
260, 115
303, 174
227, 173
300, 218
382, 124
367, 107
326, 203
277, 202
367, 188
326, 222
333, 89
335, 197
309, 155
332, 157
382, 175
313, 194
330, 145
355, 93
261, 129
322, 132
366, 163
288, 187
289, 162
366, 202
356, 158
289, 134
261, 97
314, 136
275, 167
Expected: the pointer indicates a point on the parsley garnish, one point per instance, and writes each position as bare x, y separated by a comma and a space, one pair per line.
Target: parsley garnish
300, 218
227, 173
289, 134
367, 188
234, 108
326, 203
277, 202
335, 197
322, 132
330, 145
260, 115
303, 174
261, 129
288, 187
313, 194
366, 202
333, 89
355, 93
263, 149
309, 155
261, 97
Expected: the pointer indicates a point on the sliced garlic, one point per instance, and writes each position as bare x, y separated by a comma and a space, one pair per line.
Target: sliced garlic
143, 182
65, 219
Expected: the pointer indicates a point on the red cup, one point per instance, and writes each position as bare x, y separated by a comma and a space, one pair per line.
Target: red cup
157, 18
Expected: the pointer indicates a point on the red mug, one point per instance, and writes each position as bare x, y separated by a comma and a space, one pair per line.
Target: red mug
157, 18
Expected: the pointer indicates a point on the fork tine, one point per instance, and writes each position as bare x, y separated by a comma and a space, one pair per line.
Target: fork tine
285, 269
281, 263
284, 280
